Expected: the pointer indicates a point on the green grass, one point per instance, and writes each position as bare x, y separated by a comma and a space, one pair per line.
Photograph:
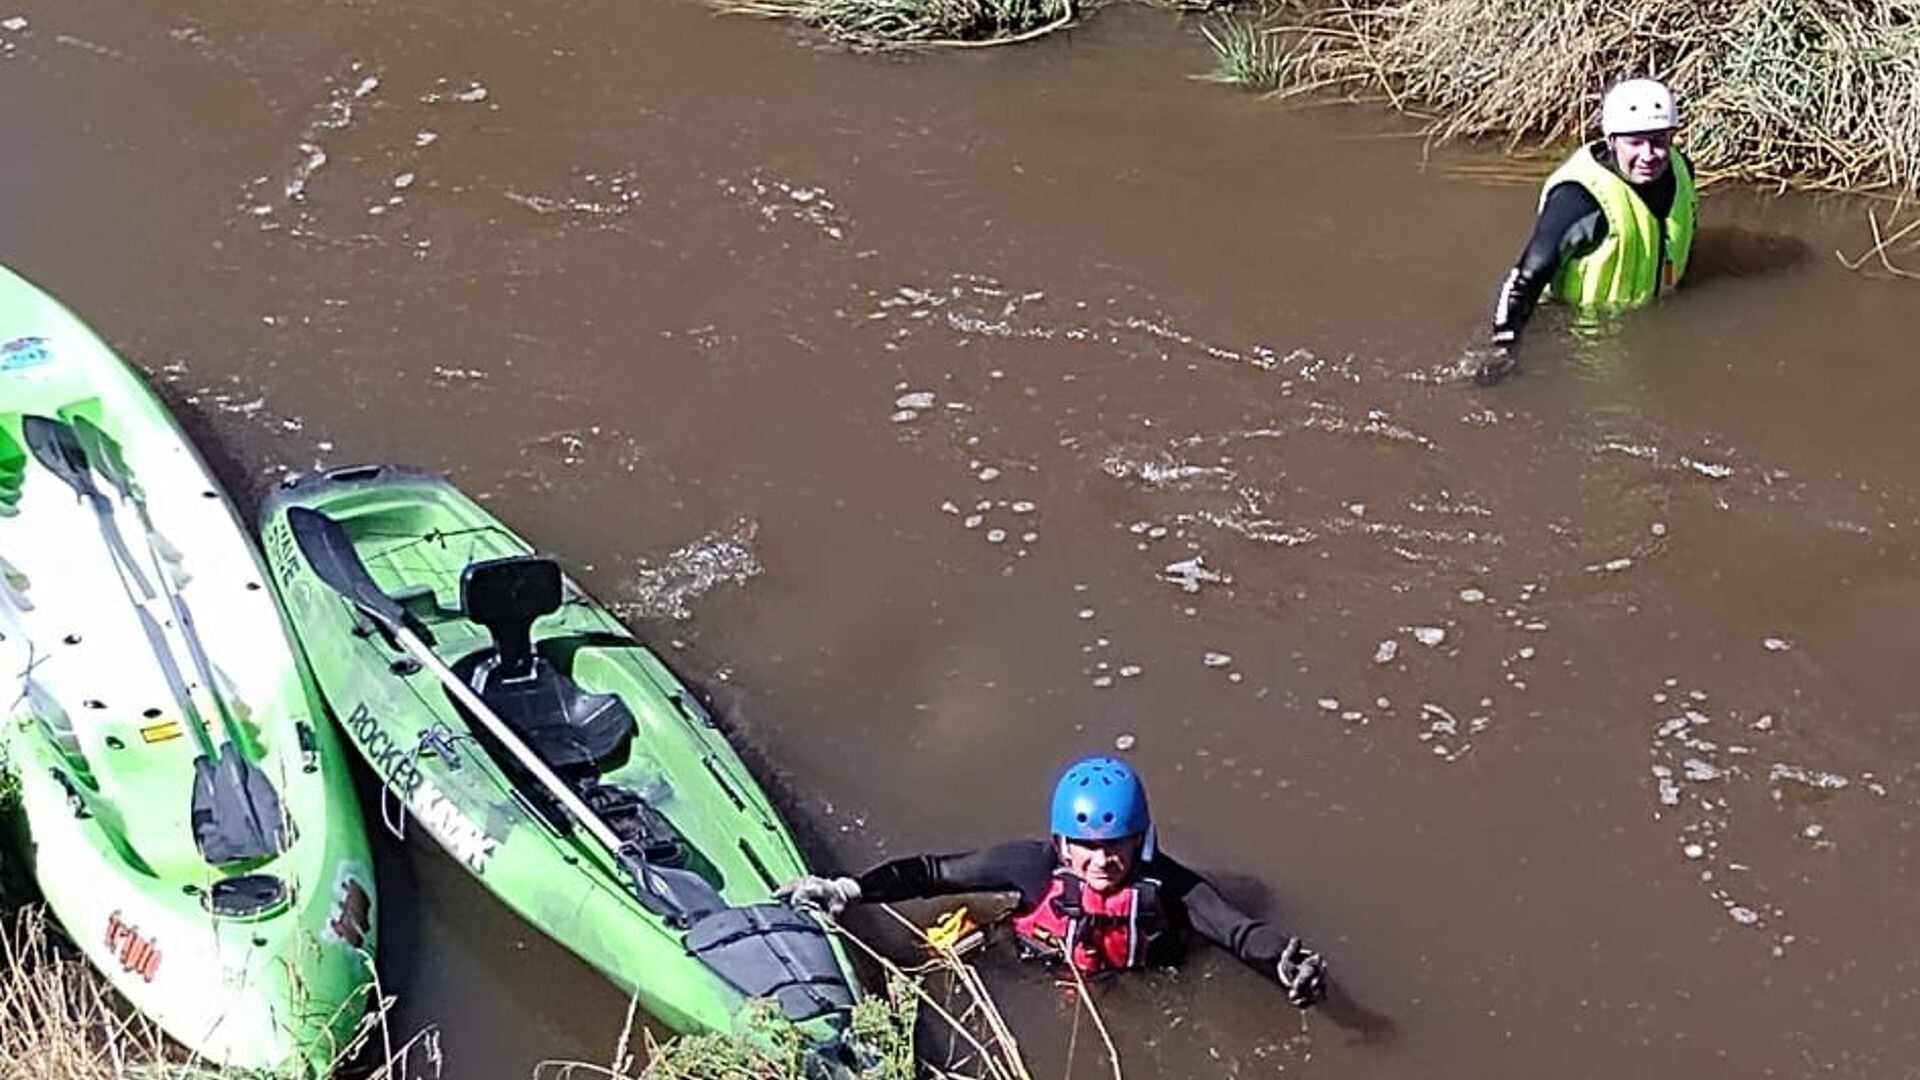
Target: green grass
1246, 53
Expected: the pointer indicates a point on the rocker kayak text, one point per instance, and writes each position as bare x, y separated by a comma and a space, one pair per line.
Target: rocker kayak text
398, 765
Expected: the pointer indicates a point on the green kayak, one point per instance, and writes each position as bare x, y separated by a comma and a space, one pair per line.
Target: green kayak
549, 752
185, 810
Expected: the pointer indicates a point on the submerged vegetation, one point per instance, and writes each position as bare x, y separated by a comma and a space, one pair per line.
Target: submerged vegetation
1812, 93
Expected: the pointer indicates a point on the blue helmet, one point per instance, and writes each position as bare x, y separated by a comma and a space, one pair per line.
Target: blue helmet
1101, 798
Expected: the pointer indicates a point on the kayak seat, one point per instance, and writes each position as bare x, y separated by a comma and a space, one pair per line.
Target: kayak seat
578, 734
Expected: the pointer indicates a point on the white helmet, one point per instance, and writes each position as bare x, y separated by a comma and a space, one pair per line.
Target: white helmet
1638, 105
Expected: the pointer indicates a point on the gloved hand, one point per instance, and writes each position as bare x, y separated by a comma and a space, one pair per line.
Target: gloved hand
1488, 364
1302, 972
831, 895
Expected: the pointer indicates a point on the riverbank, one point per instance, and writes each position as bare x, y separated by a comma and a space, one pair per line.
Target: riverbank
60, 1021
1805, 95
1797, 94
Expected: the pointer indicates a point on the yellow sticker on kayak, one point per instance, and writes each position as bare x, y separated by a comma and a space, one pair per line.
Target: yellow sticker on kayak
154, 733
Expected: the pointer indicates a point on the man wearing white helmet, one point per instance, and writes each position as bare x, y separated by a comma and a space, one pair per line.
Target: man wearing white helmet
1615, 224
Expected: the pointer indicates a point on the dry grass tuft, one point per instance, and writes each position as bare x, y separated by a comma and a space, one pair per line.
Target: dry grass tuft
1807, 93
908, 24
60, 1021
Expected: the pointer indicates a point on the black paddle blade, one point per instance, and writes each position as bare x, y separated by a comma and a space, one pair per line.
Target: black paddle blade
236, 812
105, 454
55, 446
324, 543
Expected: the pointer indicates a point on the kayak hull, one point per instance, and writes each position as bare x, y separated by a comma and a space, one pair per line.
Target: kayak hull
129, 621
416, 534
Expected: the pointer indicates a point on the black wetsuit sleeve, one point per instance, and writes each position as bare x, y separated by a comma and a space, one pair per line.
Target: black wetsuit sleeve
1570, 225
1021, 866
1255, 942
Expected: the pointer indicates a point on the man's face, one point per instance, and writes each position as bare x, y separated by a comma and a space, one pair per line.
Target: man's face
1642, 158
1102, 864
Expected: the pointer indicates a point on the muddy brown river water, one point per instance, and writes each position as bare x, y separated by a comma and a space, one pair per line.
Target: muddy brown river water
952, 415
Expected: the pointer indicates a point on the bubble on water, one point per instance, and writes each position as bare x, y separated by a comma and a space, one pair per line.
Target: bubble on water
1386, 651
1740, 913
1217, 659
1130, 671
1693, 851
995, 536
1430, 636
1330, 704
1658, 528
1472, 596
1813, 778
1124, 743
404, 180
424, 138
367, 86
919, 399
1774, 644
1086, 613
904, 416
1190, 574
1103, 681
1029, 537
1526, 652
1813, 832
1701, 771
972, 521
666, 589
1022, 506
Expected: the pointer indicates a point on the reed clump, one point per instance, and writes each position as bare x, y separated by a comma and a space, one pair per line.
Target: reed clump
1246, 53
906, 24
1805, 93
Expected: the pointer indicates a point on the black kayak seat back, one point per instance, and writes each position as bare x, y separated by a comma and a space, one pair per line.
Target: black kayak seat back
506, 596
575, 732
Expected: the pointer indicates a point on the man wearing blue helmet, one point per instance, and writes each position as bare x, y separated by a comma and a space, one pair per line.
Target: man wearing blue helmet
1100, 894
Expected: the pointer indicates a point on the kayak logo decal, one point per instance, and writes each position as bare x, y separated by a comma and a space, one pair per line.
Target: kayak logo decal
397, 766
23, 353
137, 953
283, 552
352, 919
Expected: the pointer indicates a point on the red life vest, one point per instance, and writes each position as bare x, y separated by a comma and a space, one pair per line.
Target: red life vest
1097, 933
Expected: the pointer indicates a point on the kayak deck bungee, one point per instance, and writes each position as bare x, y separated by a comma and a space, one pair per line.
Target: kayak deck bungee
547, 750
185, 810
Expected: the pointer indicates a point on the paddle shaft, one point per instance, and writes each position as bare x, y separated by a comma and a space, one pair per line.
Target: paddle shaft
104, 454
522, 753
